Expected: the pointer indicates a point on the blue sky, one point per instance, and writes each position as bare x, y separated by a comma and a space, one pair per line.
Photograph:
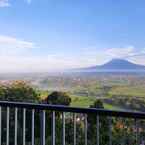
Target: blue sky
44, 35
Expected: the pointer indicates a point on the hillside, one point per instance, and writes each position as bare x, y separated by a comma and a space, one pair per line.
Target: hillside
116, 65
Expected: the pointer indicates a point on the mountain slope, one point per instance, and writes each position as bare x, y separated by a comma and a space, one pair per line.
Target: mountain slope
117, 64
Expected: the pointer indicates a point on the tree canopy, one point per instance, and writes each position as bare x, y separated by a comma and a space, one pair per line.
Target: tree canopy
18, 91
58, 98
97, 104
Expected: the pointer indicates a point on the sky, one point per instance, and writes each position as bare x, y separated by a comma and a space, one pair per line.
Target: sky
48, 35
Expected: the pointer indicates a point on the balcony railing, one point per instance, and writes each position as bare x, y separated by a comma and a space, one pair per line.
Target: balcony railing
15, 117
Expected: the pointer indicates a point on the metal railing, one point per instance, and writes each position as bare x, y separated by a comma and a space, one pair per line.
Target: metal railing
14, 129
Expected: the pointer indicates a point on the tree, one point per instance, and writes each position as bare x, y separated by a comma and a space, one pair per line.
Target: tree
22, 92
58, 98
55, 98
103, 125
18, 91
97, 104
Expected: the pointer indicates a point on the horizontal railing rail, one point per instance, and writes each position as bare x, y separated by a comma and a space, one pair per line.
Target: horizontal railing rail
62, 108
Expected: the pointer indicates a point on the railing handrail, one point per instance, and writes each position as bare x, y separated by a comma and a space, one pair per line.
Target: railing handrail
62, 108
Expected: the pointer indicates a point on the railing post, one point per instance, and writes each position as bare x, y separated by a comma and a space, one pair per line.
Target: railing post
16, 124
33, 121
136, 132
63, 131
24, 126
74, 129
0, 125
98, 128
86, 130
53, 127
123, 135
42, 127
110, 131
8, 122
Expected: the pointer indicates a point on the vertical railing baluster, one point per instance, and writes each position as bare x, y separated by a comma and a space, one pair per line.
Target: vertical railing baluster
86, 130
136, 132
0, 125
63, 132
24, 126
74, 129
42, 121
123, 135
53, 127
16, 124
8, 122
98, 128
110, 130
33, 125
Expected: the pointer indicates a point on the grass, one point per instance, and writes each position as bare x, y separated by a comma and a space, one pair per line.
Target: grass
80, 101
43, 94
111, 107
135, 91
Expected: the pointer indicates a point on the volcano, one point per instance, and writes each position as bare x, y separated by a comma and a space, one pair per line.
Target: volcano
116, 65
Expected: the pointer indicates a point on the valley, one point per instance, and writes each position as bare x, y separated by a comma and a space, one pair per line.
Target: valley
118, 90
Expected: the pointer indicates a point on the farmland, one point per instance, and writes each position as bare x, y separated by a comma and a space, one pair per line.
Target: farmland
116, 90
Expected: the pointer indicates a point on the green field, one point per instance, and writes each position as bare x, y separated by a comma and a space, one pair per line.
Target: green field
116, 91
86, 101
80, 101
136, 91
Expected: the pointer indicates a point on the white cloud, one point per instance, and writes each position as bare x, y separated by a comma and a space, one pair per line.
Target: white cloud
51, 62
13, 46
14, 58
131, 53
36, 64
4, 3
121, 52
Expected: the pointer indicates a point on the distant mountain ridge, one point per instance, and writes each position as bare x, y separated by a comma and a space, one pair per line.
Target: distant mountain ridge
117, 64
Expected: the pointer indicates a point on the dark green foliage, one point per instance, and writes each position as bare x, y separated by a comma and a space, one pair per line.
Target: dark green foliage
18, 91
103, 126
22, 92
97, 104
58, 98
